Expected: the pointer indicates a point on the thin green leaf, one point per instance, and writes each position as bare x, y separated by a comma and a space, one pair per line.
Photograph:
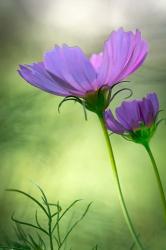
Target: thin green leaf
86, 210
54, 214
58, 230
42, 243
84, 109
37, 222
58, 244
68, 99
28, 224
159, 121
76, 223
121, 90
66, 210
42, 192
35, 245
29, 196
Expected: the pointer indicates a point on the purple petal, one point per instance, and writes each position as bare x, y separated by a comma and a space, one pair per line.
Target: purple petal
36, 75
155, 102
96, 61
71, 65
112, 123
146, 110
124, 52
129, 115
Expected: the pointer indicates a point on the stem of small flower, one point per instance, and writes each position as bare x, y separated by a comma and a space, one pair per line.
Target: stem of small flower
157, 175
117, 181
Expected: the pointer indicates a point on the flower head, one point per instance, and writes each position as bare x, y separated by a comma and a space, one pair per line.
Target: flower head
67, 71
136, 120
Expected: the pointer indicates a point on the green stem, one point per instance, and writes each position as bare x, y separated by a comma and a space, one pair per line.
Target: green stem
157, 175
49, 226
58, 230
122, 202
50, 234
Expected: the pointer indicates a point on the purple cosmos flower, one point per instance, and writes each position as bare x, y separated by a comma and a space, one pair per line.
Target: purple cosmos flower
135, 120
67, 71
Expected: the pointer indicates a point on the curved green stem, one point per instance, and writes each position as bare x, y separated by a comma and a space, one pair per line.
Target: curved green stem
121, 198
157, 175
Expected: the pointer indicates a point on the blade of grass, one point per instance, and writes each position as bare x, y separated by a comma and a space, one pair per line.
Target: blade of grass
29, 196
28, 224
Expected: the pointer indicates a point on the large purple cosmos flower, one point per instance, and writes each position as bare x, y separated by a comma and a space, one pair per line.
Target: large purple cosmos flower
135, 120
67, 71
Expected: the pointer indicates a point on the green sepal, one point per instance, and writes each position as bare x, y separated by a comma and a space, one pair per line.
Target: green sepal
98, 101
142, 135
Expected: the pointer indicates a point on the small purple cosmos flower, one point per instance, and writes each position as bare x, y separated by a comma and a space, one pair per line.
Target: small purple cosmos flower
67, 71
135, 120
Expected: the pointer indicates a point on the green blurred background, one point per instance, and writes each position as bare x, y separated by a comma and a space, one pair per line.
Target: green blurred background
63, 153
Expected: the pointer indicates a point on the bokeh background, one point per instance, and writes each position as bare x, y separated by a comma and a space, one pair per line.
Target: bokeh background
63, 153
